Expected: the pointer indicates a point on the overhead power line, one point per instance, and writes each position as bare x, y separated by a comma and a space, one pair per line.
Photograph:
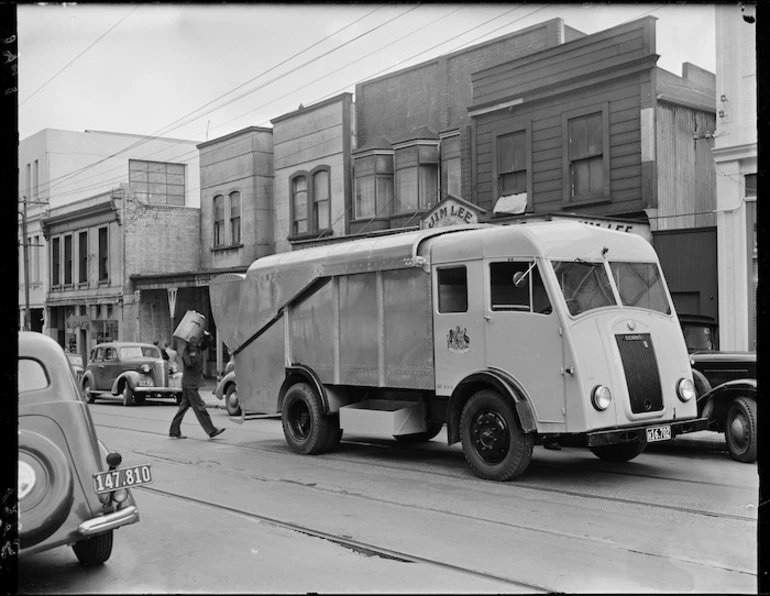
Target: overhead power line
66, 66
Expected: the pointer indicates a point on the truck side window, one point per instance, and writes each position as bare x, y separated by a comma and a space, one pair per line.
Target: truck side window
504, 293
452, 289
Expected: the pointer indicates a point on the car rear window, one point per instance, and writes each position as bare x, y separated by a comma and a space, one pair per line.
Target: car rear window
32, 375
136, 352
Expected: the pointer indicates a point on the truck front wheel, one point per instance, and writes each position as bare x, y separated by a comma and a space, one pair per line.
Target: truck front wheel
493, 444
307, 429
741, 430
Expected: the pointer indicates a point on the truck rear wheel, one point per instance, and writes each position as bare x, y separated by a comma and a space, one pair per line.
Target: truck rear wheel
494, 445
741, 430
307, 429
619, 452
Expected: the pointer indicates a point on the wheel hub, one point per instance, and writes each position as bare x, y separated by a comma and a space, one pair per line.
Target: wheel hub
739, 431
490, 436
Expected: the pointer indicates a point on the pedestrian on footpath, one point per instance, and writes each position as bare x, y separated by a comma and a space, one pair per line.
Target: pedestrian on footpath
192, 375
173, 358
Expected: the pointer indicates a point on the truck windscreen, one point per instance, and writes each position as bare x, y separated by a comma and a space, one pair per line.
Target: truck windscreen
641, 285
585, 286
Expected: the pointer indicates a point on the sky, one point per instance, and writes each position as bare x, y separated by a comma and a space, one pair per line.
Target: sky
198, 72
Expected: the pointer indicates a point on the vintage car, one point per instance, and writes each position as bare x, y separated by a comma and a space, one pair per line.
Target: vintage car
71, 489
76, 360
227, 389
133, 371
726, 386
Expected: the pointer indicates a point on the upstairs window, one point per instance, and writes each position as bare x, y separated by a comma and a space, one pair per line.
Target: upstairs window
104, 255
374, 185
219, 220
512, 163
587, 162
235, 217
68, 260
55, 262
451, 172
83, 257
310, 201
157, 182
416, 177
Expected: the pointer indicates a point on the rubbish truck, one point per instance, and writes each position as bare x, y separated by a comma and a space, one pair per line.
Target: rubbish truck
510, 335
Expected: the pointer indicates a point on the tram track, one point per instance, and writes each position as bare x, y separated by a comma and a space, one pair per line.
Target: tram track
358, 546
518, 484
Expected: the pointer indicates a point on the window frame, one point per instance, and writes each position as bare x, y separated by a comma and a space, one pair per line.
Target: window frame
445, 139
56, 262
422, 203
68, 259
439, 270
604, 196
526, 129
312, 229
380, 211
218, 224
235, 219
142, 189
83, 258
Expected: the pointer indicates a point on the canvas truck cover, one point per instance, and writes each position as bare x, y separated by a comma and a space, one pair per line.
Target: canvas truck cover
245, 305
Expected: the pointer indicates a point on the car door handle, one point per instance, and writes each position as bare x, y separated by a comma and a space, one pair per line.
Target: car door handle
487, 318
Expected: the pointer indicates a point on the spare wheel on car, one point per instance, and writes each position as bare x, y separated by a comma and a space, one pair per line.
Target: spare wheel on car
45, 488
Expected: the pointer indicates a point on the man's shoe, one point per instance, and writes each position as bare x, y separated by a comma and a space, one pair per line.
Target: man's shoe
178, 436
217, 432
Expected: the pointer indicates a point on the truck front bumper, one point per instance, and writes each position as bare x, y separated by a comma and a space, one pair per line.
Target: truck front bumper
639, 433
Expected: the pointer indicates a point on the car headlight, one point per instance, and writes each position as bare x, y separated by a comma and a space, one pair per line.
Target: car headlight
26, 479
601, 397
146, 368
685, 390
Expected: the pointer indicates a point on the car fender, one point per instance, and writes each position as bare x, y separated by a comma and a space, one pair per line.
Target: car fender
713, 405
229, 378
90, 376
130, 376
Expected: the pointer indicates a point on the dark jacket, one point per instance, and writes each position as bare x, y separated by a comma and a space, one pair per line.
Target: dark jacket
192, 371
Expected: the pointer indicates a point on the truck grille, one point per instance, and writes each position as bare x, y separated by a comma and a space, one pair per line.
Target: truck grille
642, 375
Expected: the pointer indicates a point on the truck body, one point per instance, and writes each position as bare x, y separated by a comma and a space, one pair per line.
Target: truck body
506, 334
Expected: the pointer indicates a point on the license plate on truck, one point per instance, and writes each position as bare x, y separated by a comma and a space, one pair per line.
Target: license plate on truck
105, 482
658, 433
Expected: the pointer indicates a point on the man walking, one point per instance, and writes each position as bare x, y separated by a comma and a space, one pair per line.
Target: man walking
192, 374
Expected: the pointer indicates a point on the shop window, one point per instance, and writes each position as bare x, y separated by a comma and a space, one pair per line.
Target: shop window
219, 220
586, 151
451, 172
452, 289
373, 185
56, 262
157, 182
310, 201
235, 217
104, 255
416, 177
83, 257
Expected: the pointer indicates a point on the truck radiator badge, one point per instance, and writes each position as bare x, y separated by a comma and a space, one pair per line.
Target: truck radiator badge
457, 340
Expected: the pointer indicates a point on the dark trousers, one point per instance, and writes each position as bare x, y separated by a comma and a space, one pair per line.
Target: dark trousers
191, 399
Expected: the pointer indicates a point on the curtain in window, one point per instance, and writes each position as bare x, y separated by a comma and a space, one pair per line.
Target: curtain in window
364, 196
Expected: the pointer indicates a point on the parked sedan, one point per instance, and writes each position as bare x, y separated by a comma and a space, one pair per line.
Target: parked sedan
71, 490
76, 360
133, 371
726, 385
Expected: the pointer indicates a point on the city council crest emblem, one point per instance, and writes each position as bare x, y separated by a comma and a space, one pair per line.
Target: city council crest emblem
457, 340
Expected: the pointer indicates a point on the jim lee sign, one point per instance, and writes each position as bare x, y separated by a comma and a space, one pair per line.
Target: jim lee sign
449, 212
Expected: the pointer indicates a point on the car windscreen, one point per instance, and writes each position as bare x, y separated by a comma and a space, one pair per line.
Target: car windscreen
585, 286
641, 285
698, 338
75, 359
138, 352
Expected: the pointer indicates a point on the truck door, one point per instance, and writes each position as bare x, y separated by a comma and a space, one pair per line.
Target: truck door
523, 334
458, 325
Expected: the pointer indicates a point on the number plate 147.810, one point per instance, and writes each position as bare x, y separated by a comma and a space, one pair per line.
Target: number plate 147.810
658, 433
105, 482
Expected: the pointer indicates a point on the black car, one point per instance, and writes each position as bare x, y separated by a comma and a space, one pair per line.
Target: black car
726, 384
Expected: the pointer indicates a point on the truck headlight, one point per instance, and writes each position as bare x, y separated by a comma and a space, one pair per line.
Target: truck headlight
685, 390
601, 397
146, 368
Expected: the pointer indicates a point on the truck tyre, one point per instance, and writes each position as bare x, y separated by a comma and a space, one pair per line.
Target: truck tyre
231, 400
50, 495
306, 428
434, 428
619, 452
95, 550
741, 429
87, 393
494, 445
128, 395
